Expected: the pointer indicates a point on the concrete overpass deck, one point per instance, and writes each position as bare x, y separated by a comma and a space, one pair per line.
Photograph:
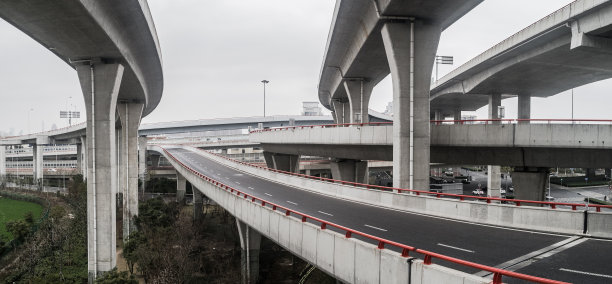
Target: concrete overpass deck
509, 144
461, 245
569, 48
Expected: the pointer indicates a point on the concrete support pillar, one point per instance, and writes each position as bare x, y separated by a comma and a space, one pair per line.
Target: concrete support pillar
608, 171
155, 160
84, 157
79, 156
2, 162
342, 111
100, 85
181, 188
589, 173
524, 108
457, 118
142, 161
494, 172
350, 170
410, 49
130, 115
197, 204
250, 241
530, 183
283, 162
359, 93
37, 162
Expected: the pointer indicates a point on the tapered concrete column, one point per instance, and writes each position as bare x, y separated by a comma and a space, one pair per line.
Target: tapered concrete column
142, 161
2, 162
350, 170
100, 85
197, 204
342, 111
283, 162
589, 173
250, 241
457, 118
181, 188
37, 162
84, 156
359, 93
524, 108
79, 156
530, 183
130, 115
494, 172
155, 160
410, 49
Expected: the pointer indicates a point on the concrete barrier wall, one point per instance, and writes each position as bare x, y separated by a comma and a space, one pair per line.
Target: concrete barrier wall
349, 260
563, 221
585, 136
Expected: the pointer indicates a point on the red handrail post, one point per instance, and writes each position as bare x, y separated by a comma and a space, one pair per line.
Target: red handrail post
427, 259
497, 278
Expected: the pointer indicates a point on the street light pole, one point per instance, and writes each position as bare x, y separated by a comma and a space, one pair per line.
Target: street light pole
264, 102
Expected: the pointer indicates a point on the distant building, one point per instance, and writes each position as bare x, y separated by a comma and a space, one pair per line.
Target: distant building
469, 117
389, 109
311, 109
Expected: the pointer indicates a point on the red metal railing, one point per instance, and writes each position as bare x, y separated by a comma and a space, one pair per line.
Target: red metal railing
461, 197
348, 233
439, 122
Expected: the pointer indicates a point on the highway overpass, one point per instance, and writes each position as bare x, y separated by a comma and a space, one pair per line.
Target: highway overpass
527, 147
114, 49
366, 236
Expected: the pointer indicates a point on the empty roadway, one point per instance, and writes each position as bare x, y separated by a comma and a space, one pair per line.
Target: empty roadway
478, 243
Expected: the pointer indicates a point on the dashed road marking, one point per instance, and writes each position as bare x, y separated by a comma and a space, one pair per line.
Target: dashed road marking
461, 249
325, 213
377, 228
292, 202
250, 187
267, 194
237, 183
586, 273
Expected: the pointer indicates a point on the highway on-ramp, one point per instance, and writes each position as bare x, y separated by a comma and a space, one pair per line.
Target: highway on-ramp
489, 245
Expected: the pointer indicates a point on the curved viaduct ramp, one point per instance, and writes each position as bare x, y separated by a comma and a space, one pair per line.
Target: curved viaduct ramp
568, 48
273, 205
115, 31
114, 48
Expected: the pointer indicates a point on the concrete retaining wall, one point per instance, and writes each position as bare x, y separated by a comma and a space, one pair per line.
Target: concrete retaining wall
349, 260
563, 221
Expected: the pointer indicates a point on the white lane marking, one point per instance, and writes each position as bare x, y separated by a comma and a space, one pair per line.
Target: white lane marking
325, 213
267, 194
250, 187
377, 228
586, 273
466, 250
237, 183
292, 202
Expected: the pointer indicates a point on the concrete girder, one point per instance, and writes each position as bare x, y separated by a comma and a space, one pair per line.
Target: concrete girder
100, 84
410, 49
130, 115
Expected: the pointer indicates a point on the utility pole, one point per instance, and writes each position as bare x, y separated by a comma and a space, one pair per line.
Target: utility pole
264, 101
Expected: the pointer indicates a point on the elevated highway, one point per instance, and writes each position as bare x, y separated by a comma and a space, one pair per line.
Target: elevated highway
531, 146
369, 40
567, 49
114, 49
354, 241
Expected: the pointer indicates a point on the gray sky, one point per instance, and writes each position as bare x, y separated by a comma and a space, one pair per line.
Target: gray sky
215, 53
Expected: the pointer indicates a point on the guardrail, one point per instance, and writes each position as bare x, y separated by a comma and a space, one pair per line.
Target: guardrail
440, 122
517, 202
348, 232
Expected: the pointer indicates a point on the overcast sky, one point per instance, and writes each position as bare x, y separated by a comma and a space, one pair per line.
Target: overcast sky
215, 53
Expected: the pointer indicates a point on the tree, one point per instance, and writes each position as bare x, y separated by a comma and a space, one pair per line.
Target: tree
114, 277
29, 217
19, 229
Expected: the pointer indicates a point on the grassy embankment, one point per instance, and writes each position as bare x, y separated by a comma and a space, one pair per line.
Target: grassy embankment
11, 210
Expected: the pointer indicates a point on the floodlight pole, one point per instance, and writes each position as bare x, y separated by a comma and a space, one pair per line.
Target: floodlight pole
264, 98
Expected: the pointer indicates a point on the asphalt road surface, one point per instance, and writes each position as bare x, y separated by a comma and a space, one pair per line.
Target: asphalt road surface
489, 245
